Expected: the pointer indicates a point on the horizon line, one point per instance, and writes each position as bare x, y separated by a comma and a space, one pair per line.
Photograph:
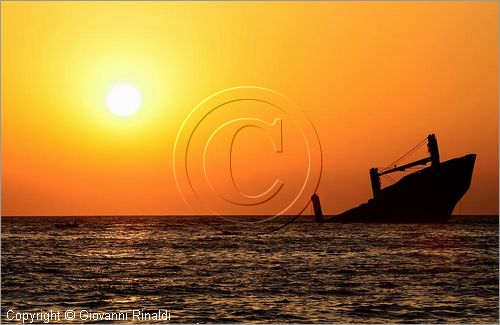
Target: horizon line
200, 215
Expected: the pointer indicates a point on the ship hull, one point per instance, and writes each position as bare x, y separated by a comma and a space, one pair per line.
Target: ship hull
427, 196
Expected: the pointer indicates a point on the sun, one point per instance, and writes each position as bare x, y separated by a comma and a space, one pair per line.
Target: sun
123, 99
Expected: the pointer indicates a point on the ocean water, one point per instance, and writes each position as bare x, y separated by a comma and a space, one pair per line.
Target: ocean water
206, 270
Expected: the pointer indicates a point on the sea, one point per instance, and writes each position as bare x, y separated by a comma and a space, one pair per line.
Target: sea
242, 270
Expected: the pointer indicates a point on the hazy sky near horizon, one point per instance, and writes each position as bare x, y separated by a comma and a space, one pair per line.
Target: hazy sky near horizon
374, 78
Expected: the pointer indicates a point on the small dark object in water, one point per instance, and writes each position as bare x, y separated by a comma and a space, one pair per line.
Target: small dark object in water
67, 225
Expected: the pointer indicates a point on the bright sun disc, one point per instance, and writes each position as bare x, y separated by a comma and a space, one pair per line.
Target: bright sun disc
123, 99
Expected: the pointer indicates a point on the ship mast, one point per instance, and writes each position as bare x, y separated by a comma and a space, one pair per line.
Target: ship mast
318, 213
432, 148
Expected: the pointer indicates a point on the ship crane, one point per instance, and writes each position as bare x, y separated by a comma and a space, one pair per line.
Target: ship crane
433, 158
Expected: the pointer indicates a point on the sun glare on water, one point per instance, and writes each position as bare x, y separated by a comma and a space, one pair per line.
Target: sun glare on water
123, 99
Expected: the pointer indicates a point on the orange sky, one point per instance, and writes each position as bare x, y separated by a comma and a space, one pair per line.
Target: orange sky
374, 78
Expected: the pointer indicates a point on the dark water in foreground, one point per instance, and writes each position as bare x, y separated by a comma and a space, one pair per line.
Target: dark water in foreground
305, 272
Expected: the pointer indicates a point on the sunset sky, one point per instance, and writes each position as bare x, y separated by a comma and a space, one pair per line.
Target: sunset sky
374, 78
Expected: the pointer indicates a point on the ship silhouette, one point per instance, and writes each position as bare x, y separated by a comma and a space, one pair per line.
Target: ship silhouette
425, 196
